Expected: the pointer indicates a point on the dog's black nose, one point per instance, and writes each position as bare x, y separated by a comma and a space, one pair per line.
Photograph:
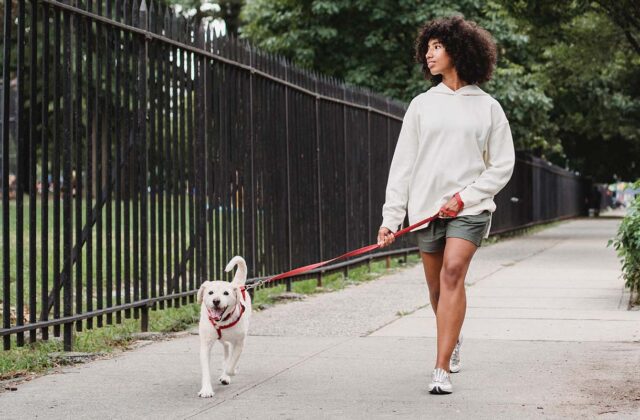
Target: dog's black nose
216, 302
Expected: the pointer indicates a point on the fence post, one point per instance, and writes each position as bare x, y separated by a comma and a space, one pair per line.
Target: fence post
67, 216
317, 127
142, 127
6, 275
286, 110
346, 177
200, 158
32, 168
153, 161
369, 215
44, 282
20, 178
252, 191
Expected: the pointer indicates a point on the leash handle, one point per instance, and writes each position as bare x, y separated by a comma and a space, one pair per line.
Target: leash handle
349, 254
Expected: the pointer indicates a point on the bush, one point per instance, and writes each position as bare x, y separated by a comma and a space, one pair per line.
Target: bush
627, 245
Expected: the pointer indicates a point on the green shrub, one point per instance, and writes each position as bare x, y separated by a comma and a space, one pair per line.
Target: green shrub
627, 244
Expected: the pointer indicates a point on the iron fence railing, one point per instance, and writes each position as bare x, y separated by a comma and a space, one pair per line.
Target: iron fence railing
149, 151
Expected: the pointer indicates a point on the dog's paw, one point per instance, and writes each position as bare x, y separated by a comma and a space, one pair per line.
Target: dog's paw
206, 392
225, 379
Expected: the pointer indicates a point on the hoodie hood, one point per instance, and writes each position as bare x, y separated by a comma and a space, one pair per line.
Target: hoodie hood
468, 90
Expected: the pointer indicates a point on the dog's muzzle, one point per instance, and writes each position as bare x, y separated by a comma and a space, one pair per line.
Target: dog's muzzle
216, 312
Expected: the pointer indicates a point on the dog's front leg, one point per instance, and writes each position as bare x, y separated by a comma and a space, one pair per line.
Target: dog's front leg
205, 351
226, 346
236, 351
224, 379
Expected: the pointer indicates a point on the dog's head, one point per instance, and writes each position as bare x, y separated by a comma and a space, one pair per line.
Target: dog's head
220, 297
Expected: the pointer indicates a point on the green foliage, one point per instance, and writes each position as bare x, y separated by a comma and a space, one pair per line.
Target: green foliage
367, 42
528, 109
580, 56
626, 15
546, 17
593, 77
370, 43
627, 244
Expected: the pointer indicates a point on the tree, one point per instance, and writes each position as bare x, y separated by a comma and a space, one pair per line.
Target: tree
585, 64
625, 14
370, 43
548, 16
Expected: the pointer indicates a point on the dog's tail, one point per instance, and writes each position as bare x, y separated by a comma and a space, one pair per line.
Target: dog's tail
241, 274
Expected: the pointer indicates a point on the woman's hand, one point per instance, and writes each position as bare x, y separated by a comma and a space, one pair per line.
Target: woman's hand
385, 237
451, 208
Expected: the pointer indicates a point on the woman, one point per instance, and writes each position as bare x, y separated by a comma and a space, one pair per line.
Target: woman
454, 153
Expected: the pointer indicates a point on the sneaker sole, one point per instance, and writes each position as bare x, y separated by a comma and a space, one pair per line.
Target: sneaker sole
437, 390
454, 369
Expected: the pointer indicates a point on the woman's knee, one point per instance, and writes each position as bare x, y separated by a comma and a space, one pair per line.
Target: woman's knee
452, 275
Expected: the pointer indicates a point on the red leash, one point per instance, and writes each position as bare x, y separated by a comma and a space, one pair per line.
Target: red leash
349, 254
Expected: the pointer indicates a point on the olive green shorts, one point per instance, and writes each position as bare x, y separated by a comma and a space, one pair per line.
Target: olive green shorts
472, 228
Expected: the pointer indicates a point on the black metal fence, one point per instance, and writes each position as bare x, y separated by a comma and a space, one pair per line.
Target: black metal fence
149, 151
539, 192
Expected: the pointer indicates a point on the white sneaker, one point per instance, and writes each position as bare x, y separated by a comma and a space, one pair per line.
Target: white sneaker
440, 383
454, 362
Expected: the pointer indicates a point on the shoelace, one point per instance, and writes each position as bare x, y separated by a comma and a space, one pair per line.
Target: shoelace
440, 375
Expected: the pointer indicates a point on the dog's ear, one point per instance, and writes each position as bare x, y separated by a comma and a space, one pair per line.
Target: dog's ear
201, 291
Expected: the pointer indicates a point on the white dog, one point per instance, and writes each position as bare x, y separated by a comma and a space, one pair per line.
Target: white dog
224, 316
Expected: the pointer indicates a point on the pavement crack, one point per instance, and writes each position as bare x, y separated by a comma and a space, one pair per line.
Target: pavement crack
515, 261
368, 333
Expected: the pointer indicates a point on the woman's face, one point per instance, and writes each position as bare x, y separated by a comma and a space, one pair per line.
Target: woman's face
438, 60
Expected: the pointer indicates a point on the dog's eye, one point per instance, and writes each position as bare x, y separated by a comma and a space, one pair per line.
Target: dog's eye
226, 293
211, 292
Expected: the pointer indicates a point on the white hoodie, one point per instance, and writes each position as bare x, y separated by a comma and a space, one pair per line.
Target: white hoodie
450, 142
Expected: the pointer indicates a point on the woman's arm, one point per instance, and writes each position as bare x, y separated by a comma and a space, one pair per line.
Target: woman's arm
500, 159
397, 193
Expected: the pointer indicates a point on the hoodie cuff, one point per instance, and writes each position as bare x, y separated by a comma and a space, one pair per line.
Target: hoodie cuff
469, 197
389, 225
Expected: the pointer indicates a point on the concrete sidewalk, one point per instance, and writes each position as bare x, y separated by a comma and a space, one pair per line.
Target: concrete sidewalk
547, 335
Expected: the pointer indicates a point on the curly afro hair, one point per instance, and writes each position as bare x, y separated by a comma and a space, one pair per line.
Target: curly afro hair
471, 48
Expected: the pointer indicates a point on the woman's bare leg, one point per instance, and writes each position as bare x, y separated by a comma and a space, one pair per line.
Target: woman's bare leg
432, 263
452, 302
